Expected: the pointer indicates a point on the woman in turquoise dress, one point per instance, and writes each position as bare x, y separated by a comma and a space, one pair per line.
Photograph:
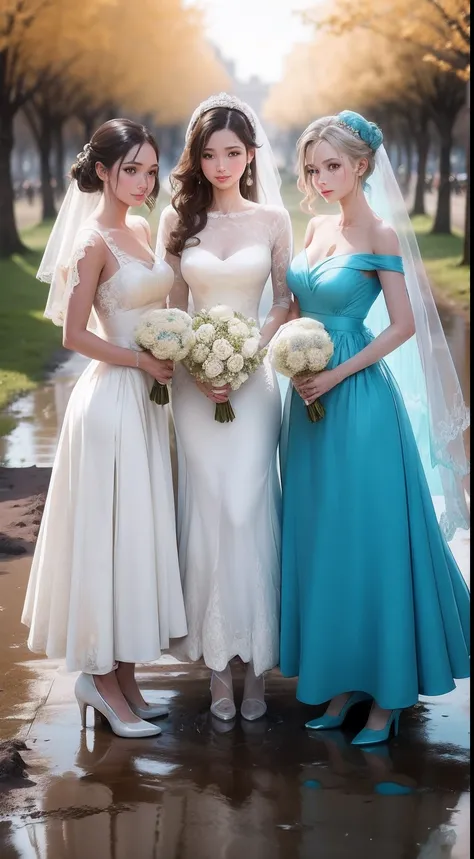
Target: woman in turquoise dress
374, 605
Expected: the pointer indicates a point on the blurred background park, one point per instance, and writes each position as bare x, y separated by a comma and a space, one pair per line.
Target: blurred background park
67, 66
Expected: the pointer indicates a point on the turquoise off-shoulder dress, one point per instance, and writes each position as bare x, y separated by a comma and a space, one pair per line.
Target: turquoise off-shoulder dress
372, 598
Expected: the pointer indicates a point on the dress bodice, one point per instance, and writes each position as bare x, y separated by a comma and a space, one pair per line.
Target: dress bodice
343, 285
233, 256
137, 285
237, 280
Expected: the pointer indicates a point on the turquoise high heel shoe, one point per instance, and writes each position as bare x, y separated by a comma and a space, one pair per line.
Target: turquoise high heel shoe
369, 737
325, 722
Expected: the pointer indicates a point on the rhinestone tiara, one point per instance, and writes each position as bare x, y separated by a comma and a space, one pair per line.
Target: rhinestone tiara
221, 100
348, 128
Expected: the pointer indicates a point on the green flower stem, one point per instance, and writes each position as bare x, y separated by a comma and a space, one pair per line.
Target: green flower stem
224, 413
159, 394
316, 411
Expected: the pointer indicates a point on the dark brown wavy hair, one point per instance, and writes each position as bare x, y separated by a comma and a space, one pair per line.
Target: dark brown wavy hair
192, 193
109, 144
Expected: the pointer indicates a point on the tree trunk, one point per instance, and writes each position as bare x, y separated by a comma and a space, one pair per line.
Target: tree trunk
442, 222
10, 242
59, 173
423, 148
466, 257
448, 97
45, 144
399, 156
88, 122
408, 146
41, 124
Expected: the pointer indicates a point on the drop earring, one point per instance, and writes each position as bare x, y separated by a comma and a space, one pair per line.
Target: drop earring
249, 179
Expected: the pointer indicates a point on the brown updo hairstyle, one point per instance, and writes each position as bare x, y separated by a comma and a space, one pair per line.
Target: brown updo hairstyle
109, 144
192, 193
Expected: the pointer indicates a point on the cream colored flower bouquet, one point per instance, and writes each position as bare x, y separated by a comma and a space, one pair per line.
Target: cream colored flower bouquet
302, 347
226, 352
168, 334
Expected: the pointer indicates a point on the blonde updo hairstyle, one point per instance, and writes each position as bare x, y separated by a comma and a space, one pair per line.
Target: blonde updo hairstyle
344, 141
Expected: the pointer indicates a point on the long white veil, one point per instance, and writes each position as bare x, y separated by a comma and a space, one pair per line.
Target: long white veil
268, 191
423, 366
76, 208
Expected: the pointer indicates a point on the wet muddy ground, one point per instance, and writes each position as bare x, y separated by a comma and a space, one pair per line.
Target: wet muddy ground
204, 789
209, 790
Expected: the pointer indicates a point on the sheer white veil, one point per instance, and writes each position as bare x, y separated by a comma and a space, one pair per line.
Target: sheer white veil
76, 209
423, 366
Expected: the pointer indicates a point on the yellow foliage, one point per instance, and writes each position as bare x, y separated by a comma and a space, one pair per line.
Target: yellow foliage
145, 56
351, 67
441, 28
333, 73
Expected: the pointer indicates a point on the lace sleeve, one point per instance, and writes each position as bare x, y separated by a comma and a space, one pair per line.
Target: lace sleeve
179, 293
65, 278
281, 258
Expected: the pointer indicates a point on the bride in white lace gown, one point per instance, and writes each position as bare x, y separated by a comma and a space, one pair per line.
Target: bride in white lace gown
229, 493
105, 589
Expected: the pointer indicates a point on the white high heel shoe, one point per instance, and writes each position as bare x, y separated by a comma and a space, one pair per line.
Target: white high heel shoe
151, 711
223, 708
87, 695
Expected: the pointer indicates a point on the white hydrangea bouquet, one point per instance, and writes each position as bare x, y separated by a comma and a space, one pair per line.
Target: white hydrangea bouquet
301, 348
168, 334
226, 352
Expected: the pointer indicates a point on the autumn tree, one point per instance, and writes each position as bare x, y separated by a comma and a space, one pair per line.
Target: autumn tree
18, 81
440, 29
29, 62
61, 59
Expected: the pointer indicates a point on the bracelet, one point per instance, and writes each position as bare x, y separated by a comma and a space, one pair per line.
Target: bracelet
137, 359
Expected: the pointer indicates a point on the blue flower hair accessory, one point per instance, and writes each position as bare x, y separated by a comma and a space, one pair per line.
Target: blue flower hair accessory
369, 132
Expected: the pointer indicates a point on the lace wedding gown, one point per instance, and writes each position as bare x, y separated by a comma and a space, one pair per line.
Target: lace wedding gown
228, 487
104, 583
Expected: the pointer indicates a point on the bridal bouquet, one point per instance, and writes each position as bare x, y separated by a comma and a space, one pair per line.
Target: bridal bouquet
226, 352
169, 336
302, 347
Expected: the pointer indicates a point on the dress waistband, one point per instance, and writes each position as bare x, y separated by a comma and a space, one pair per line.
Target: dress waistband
336, 323
126, 341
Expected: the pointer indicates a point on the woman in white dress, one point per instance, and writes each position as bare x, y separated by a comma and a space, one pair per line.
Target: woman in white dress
224, 236
105, 590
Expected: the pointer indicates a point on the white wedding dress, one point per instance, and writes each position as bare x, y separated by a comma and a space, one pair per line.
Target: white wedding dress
228, 486
105, 583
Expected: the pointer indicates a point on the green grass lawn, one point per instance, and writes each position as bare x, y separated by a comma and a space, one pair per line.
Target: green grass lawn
442, 255
29, 342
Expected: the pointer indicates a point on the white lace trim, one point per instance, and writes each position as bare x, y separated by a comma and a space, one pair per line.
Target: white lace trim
249, 211
459, 421
68, 279
212, 635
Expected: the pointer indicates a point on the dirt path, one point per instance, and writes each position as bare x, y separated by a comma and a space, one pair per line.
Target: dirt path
22, 497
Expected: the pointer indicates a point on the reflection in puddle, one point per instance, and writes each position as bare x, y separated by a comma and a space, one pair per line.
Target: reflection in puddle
234, 796
448, 723
151, 766
263, 790
39, 416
